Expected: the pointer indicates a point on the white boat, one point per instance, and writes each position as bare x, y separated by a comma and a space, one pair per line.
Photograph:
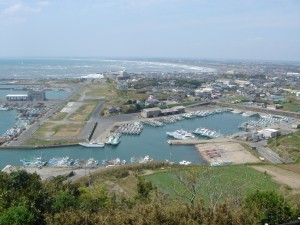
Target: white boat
115, 141
181, 135
145, 159
266, 116
2, 108
207, 133
184, 162
249, 114
113, 162
92, 144
236, 111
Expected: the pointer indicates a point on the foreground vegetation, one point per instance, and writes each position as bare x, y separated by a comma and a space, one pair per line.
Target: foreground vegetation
25, 199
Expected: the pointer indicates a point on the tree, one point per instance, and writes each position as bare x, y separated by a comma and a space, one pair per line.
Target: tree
268, 207
63, 200
189, 184
17, 215
144, 188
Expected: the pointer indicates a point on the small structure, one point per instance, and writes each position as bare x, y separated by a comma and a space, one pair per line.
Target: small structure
179, 109
151, 100
114, 109
296, 125
275, 106
123, 75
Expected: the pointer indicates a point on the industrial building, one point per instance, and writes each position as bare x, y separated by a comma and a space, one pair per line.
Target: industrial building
36, 95
31, 96
269, 133
150, 112
17, 97
154, 112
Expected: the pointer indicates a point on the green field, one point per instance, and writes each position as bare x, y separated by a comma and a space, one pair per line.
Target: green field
287, 145
212, 183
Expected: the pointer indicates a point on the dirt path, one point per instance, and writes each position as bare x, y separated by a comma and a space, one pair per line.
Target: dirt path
281, 175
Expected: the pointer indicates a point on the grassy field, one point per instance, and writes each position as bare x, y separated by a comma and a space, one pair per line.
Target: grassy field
287, 145
290, 104
50, 129
213, 182
59, 116
68, 130
83, 113
45, 130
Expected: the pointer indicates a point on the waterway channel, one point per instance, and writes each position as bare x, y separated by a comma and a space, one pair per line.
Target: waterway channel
152, 141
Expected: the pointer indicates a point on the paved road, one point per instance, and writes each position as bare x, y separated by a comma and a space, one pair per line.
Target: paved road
87, 129
106, 122
267, 153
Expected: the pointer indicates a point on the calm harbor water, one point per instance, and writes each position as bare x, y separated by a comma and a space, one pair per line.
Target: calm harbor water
152, 141
7, 120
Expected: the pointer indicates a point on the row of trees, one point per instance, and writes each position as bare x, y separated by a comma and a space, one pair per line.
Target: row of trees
25, 199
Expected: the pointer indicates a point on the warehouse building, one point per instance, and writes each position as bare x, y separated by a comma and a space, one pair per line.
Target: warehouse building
31, 96
269, 133
154, 112
17, 97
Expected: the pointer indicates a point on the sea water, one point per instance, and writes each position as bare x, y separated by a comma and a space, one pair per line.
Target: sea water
152, 141
56, 68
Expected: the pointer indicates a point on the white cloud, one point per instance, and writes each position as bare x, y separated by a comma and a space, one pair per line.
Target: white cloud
20, 8
17, 11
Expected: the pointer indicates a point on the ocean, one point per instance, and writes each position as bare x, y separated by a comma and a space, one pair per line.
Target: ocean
27, 68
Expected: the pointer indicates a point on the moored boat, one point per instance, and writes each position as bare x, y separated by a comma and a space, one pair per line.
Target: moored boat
184, 162
92, 144
2, 108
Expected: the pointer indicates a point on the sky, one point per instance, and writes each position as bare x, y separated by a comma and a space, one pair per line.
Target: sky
204, 29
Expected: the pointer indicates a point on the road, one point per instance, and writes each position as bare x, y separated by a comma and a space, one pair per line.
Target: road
267, 153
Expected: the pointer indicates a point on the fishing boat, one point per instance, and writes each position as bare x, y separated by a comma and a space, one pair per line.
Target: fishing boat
114, 139
145, 159
184, 162
2, 108
36, 161
207, 133
181, 135
236, 111
113, 162
92, 144
248, 114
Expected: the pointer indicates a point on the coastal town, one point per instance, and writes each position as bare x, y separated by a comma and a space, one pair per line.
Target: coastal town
96, 110
149, 112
